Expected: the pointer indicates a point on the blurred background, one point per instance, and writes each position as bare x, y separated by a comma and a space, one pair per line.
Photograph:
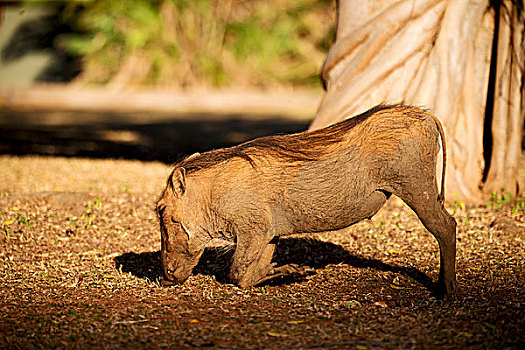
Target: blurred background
154, 80
161, 79
170, 43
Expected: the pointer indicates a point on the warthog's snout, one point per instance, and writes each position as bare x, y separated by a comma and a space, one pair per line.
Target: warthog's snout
175, 276
166, 283
171, 281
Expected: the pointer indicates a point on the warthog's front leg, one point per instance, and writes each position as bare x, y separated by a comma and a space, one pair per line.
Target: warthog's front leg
252, 264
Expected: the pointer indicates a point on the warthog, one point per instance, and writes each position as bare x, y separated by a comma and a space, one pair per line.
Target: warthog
311, 181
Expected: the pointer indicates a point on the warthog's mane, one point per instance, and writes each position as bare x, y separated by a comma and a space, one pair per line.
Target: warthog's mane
302, 146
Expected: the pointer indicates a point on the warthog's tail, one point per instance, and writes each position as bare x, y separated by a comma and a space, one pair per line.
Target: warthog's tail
441, 196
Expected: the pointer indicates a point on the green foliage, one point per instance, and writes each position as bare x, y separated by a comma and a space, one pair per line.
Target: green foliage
200, 42
506, 199
21, 219
457, 204
92, 210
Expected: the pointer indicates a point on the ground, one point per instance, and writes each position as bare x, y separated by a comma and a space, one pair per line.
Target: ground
80, 269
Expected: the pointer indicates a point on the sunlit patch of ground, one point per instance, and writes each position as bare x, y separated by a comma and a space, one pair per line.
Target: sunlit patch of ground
80, 266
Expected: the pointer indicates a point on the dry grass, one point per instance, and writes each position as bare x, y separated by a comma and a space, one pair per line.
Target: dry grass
79, 269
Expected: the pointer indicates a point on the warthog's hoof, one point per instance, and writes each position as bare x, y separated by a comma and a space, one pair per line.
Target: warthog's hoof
443, 292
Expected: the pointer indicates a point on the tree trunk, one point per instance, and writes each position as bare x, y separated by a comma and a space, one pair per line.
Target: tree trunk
462, 59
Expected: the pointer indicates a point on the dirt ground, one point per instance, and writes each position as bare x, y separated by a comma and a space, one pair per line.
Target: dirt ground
80, 268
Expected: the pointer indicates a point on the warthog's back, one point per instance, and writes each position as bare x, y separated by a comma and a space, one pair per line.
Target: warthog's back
377, 131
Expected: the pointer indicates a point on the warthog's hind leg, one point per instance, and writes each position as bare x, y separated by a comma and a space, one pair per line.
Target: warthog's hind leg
285, 270
443, 226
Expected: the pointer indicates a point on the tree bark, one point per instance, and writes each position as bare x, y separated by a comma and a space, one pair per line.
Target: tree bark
437, 54
508, 111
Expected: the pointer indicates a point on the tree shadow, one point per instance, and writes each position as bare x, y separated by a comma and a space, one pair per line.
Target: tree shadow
313, 253
133, 135
39, 35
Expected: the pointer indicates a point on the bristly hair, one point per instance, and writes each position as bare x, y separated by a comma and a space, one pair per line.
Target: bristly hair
302, 146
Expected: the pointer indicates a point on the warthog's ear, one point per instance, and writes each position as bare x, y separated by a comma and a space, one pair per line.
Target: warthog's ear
194, 155
178, 181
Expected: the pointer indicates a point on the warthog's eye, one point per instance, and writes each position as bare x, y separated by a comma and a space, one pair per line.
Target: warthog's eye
186, 231
170, 271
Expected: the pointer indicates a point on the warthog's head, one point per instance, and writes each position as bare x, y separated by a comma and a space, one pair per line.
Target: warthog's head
181, 243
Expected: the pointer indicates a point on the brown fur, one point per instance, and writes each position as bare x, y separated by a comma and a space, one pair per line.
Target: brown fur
319, 144
313, 181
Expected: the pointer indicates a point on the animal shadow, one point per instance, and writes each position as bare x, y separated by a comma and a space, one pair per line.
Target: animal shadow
142, 265
313, 253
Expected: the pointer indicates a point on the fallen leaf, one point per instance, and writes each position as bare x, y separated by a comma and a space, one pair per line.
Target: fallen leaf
92, 252
298, 322
273, 334
15, 208
394, 251
10, 222
130, 322
475, 268
362, 347
350, 304
281, 335
194, 321
398, 287
380, 304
